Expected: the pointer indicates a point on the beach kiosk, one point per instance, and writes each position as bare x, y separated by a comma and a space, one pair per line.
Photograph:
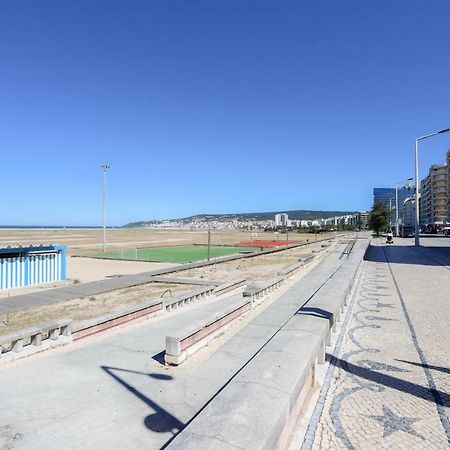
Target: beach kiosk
33, 265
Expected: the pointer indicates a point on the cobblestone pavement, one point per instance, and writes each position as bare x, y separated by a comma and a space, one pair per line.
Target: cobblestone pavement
389, 376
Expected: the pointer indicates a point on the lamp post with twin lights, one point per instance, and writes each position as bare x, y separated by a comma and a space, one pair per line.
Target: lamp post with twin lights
421, 138
396, 202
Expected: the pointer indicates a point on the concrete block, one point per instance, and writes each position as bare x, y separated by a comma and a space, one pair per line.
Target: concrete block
173, 346
65, 326
54, 334
17, 345
36, 340
33, 333
7, 339
190, 339
175, 360
66, 330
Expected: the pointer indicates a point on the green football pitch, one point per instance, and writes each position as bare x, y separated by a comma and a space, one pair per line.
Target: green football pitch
177, 254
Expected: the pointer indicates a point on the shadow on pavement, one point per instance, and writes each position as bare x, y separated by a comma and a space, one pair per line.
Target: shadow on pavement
160, 420
159, 357
427, 366
316, 312
408, 254
431, 395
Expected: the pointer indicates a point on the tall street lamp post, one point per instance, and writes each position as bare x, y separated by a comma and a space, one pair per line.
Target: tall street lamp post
396, 202
416, 216
104, 167
390, 212
209, 242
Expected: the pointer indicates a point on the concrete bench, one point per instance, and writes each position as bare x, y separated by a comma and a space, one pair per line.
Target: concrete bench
56, 328
257, 292
193, 281
11, 340
334, 295
34, 339
306, 260
290, 270
326, 308
230, 286
185, 299
130, 313
192, 339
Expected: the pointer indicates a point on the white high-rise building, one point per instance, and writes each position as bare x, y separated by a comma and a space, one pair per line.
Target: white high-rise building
278, 220
281, 220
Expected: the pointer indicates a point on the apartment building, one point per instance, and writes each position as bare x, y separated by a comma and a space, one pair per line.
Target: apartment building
434, 198
448, 186
282, 220
362, 218
408, 216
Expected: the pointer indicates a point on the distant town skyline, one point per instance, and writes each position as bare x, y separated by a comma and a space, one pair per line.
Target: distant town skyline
214, 107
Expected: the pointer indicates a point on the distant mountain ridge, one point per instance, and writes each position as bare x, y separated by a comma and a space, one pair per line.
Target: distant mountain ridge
297, 214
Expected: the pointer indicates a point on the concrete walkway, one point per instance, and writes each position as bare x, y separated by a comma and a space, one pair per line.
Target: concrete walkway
110, 391
388, 382
55, 295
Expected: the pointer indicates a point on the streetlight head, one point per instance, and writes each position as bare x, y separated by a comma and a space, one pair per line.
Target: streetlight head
104, 166
447, 130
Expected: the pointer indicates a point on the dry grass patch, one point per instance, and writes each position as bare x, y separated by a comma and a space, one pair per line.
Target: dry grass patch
90, 307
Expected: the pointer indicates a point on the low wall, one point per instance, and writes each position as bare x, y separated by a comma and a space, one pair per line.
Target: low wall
306, 260
64, 331
33, 340
190, 340
192, 281
230, 286
259, 291
130, 313
185, 299
259, 406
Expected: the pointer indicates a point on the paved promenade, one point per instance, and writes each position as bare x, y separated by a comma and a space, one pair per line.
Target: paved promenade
388, 383
110, 391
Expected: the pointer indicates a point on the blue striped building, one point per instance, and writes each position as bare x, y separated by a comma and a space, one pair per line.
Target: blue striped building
27, 266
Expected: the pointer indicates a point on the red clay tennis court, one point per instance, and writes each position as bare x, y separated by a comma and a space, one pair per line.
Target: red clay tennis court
261, 243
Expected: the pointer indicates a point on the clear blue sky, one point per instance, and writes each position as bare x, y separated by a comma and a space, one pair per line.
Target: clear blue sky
215, 106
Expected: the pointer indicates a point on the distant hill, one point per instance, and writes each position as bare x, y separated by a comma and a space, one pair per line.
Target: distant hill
298, 214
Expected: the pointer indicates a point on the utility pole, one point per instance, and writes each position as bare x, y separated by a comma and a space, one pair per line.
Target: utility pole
390, 212
209, 243
104, 167
396, 204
